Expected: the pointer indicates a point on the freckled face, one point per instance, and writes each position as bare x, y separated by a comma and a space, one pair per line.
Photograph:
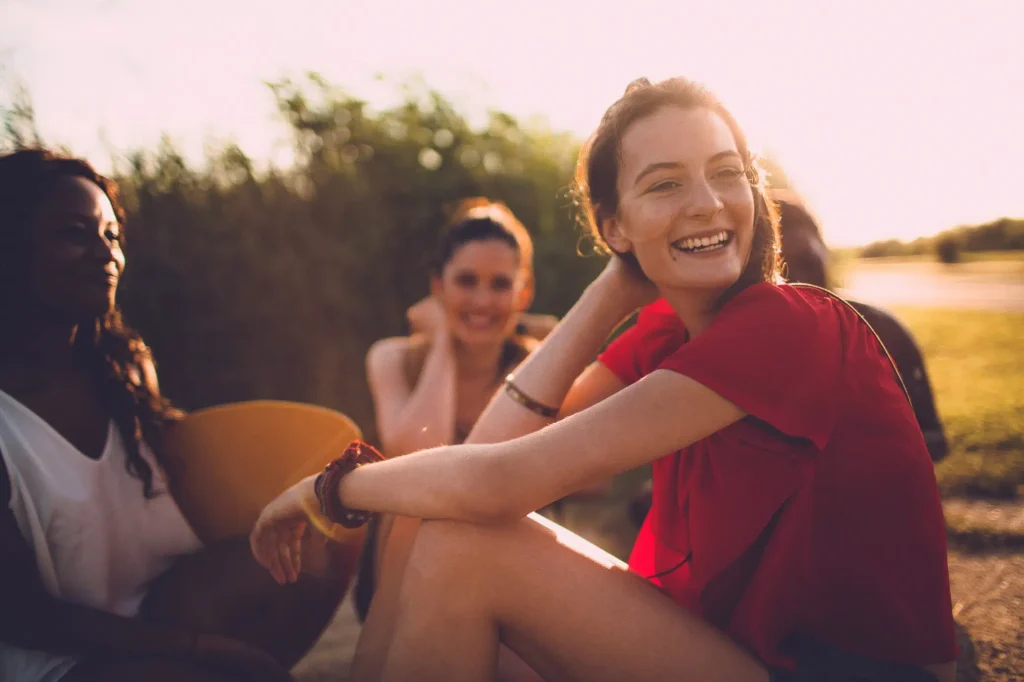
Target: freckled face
686, 207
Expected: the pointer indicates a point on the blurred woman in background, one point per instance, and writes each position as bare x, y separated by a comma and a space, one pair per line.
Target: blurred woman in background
429, 388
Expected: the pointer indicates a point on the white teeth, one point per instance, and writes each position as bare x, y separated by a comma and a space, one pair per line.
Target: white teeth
702, 243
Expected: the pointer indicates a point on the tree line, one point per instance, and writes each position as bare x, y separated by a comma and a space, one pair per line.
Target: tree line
274, 284
1005, 234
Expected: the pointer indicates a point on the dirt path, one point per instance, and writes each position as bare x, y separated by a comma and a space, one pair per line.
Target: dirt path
988, 604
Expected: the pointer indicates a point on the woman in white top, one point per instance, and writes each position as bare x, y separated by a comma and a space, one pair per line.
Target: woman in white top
102, 577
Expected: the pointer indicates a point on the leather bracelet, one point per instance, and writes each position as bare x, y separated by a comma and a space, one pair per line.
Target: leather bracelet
326, 484
526, 401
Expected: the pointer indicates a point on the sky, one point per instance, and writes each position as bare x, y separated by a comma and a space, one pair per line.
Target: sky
893, 118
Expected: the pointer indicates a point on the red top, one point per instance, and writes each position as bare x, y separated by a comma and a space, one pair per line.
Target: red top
818, 513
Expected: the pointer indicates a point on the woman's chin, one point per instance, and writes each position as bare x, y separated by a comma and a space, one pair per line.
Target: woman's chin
703, 276
471, 336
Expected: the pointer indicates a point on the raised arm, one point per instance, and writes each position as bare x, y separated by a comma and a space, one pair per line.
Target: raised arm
561, 372
417, 417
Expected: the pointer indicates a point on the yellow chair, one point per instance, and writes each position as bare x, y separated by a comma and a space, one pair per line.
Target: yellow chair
227, 462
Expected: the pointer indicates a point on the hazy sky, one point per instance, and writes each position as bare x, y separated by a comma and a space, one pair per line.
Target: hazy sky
893, 117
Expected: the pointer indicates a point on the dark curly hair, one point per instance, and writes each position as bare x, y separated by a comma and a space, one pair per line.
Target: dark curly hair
110, 349
597, 172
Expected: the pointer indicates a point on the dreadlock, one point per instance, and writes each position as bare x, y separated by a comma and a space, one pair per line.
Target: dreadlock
111, 350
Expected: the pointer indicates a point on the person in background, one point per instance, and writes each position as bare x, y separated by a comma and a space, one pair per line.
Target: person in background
103, 579
797, 529
430, 387
807, 261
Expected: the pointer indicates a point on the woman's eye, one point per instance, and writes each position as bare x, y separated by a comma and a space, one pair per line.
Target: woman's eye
75, 233
465, 281
727, 174
501, 284
664, 186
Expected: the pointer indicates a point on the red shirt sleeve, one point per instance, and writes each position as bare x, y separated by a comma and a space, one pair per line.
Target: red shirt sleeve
638, 350
622, 355
776, 352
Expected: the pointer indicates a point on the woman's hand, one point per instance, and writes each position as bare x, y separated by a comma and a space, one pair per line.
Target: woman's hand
276, 539
427, 317
626, 282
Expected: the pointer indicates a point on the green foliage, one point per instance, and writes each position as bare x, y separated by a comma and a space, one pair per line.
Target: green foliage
19, 120
274, 285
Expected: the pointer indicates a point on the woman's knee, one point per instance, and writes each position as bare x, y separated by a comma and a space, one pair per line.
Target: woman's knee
455, 552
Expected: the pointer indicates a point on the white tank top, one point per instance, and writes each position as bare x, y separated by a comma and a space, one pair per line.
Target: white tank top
98, 541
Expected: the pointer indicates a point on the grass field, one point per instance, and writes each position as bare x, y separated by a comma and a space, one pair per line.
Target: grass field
976, 363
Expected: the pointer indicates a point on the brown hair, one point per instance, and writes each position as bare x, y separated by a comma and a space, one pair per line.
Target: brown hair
597, 172
479, 218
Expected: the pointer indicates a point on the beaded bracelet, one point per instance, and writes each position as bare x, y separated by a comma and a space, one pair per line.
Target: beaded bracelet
526, 401
326, 483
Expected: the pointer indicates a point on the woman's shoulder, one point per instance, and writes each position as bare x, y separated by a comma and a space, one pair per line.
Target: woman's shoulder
394, 347
796, 307
404, 355
393, 351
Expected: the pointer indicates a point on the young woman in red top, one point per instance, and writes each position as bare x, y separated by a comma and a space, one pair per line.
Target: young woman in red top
796, 531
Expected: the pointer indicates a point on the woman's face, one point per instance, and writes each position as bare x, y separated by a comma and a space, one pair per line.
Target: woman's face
482, 290
77, 258
804, 253
686, 207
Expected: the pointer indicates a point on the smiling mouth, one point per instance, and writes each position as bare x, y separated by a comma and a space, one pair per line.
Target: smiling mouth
478, 320
713, 242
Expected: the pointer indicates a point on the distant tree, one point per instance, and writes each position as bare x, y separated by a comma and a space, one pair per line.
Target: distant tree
947, 249
1005, 234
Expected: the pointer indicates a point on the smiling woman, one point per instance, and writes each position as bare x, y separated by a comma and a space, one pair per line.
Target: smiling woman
430, 387
796, 531
102, 576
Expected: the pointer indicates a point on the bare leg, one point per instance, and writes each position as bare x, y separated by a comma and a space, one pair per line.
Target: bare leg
397, 536
221, 589
567, 608
396, 540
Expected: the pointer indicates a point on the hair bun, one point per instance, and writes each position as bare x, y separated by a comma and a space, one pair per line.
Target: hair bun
637, 84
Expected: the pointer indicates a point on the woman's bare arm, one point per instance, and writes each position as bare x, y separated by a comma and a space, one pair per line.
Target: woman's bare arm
561, 372
503, 481
423, 416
